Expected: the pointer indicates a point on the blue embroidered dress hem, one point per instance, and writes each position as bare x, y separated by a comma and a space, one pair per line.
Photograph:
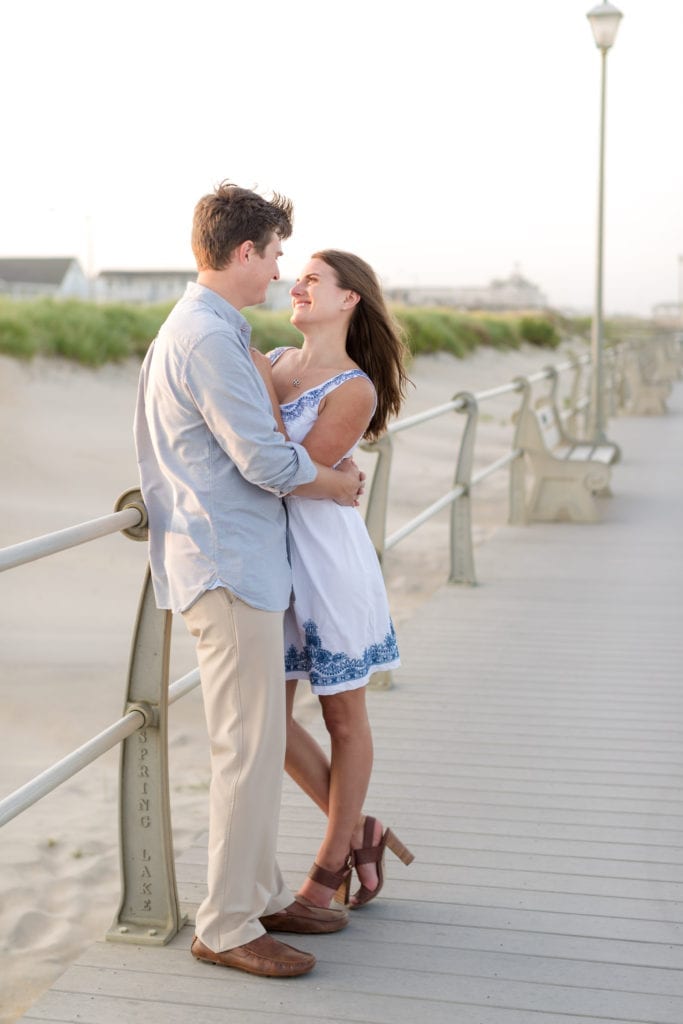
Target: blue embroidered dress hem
333, 672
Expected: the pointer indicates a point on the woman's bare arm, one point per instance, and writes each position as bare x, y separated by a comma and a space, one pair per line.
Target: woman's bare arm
344, 486
343, 418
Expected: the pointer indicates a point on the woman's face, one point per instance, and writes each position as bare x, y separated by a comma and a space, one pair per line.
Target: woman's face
317, 298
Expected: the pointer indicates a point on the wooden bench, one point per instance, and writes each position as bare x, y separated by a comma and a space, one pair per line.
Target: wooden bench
567, 472
563, 446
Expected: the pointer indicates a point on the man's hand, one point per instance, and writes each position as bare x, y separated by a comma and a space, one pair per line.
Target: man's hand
353, 485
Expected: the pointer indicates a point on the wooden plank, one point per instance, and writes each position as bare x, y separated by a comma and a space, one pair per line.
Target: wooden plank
374, 1010
425, 982
425, 947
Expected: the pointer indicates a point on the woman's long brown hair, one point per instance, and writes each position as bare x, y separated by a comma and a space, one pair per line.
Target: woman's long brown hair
374, 340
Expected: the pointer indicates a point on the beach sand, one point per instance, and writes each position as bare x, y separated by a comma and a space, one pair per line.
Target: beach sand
67, 620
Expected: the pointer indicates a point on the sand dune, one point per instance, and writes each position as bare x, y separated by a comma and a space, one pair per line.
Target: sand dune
66, 624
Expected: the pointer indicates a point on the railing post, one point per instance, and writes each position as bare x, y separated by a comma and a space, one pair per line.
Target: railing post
518, 510
462, 556
622, 391
609, 383
376, 519
574, 396
378, 498
149, 911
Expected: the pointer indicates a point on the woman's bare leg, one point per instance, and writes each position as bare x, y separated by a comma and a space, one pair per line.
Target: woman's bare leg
347, 722
305, 760
308, 765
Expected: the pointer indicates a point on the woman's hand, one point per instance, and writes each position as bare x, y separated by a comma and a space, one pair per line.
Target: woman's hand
263, 365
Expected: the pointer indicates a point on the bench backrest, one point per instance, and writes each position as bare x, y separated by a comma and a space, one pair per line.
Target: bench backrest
545, 417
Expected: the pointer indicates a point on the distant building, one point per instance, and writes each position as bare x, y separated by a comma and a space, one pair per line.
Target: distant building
514, 292
142, 286
59, 277
151, 286
668, 314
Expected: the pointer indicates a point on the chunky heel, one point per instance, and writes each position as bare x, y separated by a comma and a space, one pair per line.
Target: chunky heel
397, 847
374, 854
344, 891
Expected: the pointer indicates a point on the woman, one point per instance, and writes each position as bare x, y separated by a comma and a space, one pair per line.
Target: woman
342, 385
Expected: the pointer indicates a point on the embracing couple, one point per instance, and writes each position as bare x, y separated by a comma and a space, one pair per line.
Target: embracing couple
251, 496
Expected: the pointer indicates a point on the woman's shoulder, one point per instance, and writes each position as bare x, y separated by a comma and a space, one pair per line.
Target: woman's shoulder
361, 381
352, 386
358, 391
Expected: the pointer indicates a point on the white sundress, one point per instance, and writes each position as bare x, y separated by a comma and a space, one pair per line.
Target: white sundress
338, 629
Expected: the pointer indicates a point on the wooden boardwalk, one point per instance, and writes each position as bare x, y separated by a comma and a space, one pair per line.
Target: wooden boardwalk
530, 754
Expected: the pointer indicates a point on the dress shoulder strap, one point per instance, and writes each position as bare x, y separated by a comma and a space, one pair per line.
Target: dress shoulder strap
311, 398
334, 382
277, 352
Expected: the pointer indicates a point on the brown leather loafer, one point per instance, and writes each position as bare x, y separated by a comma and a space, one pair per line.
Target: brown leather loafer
264, 956
304, 918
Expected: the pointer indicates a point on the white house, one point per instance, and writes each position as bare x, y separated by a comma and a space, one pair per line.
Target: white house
142, 286
58, 277
151, 286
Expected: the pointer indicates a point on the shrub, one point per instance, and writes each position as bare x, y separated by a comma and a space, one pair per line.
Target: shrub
15, 336
438, 330
539, 331
501, 331
82, 331
271, 328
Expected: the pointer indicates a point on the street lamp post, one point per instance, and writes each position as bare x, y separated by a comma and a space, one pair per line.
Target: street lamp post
604, 20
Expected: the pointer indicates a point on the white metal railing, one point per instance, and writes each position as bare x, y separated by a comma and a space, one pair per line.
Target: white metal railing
458, 497
61, 540
30, 793
130, 517
149, 910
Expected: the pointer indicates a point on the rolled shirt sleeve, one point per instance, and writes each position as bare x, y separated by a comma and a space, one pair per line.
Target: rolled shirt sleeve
230, 396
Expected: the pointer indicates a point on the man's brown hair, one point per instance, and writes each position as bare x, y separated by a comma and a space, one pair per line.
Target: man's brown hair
231, 215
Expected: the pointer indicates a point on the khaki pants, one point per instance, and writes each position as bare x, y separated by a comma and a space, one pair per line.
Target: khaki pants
241, 665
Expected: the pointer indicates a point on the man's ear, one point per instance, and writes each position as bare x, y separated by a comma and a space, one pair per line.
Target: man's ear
245, 252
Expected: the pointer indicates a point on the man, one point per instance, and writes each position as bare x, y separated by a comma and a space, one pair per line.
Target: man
213, 471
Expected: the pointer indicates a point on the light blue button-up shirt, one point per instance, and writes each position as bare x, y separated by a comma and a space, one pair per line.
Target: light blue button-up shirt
213, 467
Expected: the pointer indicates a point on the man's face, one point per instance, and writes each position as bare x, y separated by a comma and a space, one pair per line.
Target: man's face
264, 269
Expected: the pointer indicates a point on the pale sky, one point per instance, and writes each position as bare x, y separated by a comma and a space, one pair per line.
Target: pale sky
445, 142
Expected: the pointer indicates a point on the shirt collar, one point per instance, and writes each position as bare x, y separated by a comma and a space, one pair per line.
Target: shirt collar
222, 307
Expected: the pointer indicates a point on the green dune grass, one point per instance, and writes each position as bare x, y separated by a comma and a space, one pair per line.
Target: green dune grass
94, 334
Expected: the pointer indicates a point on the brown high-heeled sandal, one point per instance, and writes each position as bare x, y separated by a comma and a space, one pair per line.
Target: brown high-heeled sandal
338, 881
369, 854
